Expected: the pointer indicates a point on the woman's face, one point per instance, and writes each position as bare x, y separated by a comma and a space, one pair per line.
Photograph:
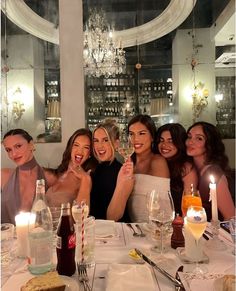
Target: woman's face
81, 149
196, 141
166, 146
19, 150
140, 137
102, 145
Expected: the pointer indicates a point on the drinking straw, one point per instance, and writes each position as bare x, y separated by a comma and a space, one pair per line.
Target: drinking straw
82, 231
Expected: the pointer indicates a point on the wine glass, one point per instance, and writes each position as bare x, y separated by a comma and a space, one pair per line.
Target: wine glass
161, 212
232, 228
125, 148
197, 222
190, 197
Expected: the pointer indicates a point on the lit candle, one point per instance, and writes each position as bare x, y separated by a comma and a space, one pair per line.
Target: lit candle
24, 221
213, 199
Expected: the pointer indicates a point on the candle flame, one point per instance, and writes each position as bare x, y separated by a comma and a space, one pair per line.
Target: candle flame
212, 179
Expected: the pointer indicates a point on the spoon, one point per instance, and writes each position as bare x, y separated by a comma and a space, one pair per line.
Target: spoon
140, 229
134, 231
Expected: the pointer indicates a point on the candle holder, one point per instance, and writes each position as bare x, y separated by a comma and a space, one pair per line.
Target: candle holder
215, 243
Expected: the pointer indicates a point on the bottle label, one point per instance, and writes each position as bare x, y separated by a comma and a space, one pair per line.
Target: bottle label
71, 241
58, 242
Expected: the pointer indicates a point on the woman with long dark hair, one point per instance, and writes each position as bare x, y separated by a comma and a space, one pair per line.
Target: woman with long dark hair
150, 169
74, 181
204, 144
170, 142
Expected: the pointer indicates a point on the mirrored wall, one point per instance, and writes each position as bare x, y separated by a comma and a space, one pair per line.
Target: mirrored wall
30, 70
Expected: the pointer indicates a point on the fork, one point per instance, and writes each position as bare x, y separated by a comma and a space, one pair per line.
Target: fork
83, 277
140, 229
134, 231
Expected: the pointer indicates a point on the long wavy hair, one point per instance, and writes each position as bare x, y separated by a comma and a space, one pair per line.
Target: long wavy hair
177, 162
66, 158
215, 149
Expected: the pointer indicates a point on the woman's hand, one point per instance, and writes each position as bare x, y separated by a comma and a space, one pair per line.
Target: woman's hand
80, 173
126, 173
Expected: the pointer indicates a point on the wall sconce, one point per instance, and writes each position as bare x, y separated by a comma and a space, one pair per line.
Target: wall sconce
199, 97
17, 105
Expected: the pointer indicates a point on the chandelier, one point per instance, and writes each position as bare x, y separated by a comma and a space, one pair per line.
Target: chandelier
101, 56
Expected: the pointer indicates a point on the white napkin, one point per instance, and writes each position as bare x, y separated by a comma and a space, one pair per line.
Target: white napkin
104, 228
122, 277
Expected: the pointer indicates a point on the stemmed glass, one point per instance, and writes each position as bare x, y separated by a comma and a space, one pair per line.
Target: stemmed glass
161, 212
125, 148
232, 228
197, 222
190, 197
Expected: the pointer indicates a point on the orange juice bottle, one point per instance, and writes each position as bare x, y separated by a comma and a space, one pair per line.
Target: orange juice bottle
190, 197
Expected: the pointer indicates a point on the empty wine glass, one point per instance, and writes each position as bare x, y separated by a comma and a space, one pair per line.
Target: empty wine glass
161, 212
125, 148
197, 222
232, 228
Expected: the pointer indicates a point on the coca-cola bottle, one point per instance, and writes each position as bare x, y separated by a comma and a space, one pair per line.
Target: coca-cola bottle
65, 245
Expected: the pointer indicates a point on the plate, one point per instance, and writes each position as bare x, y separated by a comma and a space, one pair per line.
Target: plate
71, 284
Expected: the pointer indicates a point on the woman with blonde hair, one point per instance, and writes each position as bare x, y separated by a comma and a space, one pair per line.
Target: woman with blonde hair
112, 183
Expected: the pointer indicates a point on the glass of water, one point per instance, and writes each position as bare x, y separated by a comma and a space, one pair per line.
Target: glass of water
232, 228
7, 240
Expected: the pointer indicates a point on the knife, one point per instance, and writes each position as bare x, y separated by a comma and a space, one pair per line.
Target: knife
162, 271
179, 288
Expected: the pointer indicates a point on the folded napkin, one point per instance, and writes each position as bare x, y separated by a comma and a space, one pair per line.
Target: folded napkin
105, 228
122, 277
212, 282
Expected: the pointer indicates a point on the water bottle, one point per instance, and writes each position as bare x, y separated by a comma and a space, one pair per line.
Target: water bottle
40, 233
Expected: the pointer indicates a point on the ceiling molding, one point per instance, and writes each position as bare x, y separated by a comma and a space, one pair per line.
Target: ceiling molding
175, 13
24, 17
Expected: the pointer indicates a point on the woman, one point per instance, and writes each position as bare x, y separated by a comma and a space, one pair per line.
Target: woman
171, 145
18, 185
111, 182
150, 169
74, 181
204, 144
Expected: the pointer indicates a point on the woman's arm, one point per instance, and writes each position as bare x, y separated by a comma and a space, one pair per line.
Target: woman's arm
224, 199
190, 177
124, 186
85, 185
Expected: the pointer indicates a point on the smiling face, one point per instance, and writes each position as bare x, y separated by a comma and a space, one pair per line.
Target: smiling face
19, 150
166, 146
196, 141
140, 137
102, 145
80, 151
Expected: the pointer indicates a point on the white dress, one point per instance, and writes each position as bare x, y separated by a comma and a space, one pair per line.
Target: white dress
137, 202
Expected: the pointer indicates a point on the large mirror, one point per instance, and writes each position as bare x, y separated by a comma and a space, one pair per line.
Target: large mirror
30, 68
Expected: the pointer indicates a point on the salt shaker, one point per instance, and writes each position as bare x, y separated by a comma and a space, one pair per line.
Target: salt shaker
177, 237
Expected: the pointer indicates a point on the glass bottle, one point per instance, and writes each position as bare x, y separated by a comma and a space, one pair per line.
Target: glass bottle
40, 234
66, 242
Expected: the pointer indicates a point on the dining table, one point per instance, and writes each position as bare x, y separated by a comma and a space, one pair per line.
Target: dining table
115, 263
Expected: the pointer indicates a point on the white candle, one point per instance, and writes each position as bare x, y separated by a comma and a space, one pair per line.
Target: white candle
24, 221
213, 199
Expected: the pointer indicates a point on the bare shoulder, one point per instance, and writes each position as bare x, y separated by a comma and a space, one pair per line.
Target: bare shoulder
159, 166
5, 175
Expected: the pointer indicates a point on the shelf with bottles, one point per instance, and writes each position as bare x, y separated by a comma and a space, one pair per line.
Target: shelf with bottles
52, 89
225, 106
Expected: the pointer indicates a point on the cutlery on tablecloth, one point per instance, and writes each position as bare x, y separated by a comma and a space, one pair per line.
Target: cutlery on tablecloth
162, 271
134, 231
140, 229
83, 277
179, 288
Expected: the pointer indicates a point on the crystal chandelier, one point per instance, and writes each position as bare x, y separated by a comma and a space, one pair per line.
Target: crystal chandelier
101, 56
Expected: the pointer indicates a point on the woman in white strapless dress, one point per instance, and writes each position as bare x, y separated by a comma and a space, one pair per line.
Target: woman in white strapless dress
150, 169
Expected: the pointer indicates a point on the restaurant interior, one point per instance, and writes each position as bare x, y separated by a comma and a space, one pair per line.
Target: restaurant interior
174, 60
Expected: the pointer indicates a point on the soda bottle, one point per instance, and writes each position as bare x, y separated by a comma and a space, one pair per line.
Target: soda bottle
40, 233
65, 245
